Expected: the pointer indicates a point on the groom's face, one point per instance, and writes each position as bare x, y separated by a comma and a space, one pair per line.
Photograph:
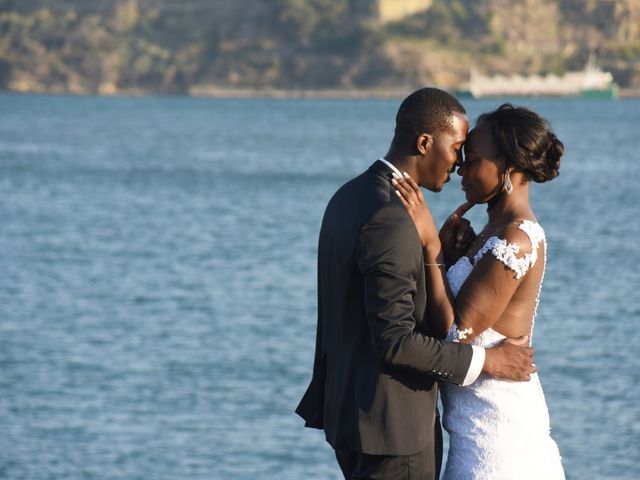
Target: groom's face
446, 150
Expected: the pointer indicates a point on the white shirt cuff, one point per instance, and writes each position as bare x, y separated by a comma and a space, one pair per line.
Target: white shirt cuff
475, 368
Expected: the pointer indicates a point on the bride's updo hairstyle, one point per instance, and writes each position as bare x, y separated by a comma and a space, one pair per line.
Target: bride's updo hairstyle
525, 140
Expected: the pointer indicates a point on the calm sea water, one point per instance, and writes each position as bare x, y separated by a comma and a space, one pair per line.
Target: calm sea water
157, 296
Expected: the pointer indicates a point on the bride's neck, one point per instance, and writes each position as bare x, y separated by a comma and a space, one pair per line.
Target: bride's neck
509, 207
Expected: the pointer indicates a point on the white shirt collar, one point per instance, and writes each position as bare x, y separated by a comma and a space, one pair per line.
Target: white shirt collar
391, 166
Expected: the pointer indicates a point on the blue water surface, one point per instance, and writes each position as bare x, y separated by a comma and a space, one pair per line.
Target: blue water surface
157, 296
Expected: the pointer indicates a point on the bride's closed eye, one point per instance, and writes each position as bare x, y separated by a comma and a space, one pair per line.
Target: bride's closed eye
469, 158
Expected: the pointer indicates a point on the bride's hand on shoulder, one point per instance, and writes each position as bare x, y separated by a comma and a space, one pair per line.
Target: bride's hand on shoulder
411, 197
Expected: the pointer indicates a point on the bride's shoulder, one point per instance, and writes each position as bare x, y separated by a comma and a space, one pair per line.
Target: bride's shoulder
526, 235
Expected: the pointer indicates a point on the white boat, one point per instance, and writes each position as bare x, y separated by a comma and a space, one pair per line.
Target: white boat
592, 82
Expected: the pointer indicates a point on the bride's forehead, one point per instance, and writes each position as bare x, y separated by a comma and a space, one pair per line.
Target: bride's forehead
479, 138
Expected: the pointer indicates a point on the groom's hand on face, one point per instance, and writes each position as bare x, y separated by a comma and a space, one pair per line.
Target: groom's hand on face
512, 359
456, 234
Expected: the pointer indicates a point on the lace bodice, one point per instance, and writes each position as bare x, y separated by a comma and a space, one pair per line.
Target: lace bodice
499, 430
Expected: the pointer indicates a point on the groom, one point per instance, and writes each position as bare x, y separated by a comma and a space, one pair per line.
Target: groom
374, 384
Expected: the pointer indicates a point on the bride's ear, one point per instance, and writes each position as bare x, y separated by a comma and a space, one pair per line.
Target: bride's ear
424, 143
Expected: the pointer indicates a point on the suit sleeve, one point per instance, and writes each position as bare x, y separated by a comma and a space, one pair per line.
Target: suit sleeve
389, 257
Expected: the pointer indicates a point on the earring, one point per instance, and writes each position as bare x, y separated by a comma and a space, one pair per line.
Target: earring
507, 184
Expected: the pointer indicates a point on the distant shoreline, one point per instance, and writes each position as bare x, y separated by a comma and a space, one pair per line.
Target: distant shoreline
329, 94
382, 93
276, 94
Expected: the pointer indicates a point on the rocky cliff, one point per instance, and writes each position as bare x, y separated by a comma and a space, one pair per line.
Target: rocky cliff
163, 46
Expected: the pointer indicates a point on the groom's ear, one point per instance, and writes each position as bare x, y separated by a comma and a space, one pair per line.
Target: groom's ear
424, 143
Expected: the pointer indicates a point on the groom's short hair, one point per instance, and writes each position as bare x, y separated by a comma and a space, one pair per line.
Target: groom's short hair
428, 110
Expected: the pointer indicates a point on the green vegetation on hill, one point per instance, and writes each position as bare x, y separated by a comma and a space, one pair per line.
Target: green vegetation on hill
164, 46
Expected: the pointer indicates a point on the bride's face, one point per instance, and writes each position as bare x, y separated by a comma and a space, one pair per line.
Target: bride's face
482, 171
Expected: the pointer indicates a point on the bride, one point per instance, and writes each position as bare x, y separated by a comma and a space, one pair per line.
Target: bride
498, 429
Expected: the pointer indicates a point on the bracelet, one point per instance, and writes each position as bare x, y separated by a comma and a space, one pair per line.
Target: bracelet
435, 265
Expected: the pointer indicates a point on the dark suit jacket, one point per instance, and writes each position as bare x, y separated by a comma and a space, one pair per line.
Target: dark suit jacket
374, 386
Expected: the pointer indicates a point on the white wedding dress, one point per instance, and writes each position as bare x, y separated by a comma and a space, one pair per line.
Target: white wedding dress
498, 429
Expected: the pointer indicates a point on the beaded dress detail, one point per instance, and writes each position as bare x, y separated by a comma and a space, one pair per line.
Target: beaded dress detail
499, 429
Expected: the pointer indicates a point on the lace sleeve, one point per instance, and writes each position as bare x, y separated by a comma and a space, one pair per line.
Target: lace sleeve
506, 253
455, 335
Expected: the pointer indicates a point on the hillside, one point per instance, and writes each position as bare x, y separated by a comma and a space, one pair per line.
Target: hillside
162, 46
